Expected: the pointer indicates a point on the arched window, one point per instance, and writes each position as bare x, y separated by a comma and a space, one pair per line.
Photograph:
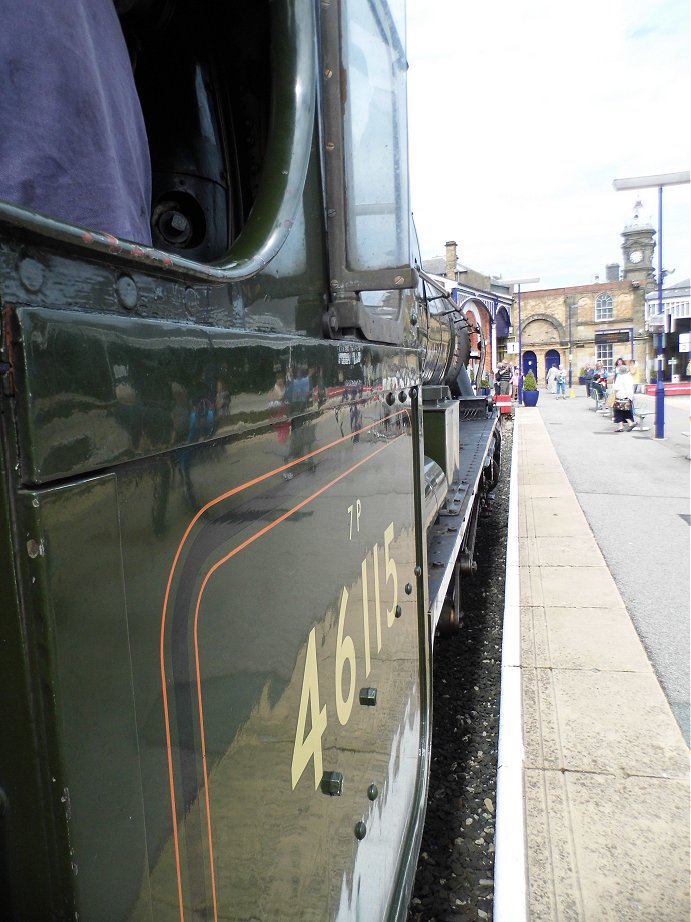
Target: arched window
604, 307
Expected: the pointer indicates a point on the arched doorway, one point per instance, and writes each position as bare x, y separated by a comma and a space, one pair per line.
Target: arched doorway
530, 363
552, 358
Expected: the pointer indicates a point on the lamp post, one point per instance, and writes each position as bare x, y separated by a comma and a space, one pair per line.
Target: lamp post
520, 282
570, 306
647, 182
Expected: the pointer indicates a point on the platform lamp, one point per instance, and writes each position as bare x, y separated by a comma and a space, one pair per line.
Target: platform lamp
570, 304
650, 182
518, 283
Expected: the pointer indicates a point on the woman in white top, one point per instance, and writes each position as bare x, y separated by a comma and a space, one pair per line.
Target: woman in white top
623, 398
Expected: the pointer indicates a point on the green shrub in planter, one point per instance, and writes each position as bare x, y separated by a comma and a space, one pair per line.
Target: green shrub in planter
529, 382
530, 391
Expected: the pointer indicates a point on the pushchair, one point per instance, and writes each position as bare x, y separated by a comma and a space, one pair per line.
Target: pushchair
598, 392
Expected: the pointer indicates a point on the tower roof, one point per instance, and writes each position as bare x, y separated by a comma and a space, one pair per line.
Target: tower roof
639, 221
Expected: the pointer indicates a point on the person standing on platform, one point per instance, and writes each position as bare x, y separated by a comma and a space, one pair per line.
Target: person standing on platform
514, 382
588, 375
551, 379
622, 412
561, 383
503, 378
635, 375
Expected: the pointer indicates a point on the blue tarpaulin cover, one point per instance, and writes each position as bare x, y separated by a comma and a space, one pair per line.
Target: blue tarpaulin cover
72, 137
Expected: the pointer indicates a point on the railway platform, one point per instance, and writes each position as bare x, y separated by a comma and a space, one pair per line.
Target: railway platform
593, 768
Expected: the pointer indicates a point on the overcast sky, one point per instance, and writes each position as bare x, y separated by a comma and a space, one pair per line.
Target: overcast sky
522, 112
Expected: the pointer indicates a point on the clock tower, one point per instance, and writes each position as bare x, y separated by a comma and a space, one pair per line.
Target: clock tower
638, 247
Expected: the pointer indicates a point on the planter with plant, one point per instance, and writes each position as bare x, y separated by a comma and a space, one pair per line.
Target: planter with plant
530, 391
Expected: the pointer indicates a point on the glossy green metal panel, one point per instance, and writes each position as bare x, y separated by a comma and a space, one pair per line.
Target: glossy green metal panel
91, 677
216, 610
253, 571
27, 834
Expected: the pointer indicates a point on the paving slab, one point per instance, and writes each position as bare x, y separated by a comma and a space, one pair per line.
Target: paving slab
594, 853
607, 721
585, 587
545, 551
595, 639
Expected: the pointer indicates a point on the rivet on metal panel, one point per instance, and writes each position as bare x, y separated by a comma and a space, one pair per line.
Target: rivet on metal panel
368, 697
31, 274
390, 399
373, 792
191, 299
402, 396
399, 611
418, 570
360, 830
126, 291
408, 589
33, 548
413, 393
332, 784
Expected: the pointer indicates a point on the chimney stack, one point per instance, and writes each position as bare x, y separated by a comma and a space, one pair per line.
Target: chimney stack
451, 260
612, 272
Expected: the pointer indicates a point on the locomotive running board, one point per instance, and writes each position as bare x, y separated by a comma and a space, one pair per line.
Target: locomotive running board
447, 536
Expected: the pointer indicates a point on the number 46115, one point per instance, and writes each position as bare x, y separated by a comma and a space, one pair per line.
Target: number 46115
308, 744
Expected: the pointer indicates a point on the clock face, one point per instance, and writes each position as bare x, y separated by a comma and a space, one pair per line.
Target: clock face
635, 256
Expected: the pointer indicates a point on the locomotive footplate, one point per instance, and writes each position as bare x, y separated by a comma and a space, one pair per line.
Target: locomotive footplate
453, 531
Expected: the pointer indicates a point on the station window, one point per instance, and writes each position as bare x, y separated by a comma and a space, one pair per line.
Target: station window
604, 307
605, 354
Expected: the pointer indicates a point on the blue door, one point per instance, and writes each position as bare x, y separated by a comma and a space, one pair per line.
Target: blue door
552, 357
530, 363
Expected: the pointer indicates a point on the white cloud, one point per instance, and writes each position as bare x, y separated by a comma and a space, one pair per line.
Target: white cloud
521, 115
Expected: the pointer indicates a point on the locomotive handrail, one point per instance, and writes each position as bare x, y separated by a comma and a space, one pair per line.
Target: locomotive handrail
283, 175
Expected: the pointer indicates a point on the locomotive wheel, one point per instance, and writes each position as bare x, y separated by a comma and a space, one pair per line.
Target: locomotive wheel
450, 619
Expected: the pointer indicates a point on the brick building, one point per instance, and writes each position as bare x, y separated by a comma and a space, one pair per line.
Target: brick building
601, 321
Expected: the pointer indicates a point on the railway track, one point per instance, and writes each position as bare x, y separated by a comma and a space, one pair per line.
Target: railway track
454, 880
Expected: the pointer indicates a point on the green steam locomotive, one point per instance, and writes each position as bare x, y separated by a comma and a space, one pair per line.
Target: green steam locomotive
241, 468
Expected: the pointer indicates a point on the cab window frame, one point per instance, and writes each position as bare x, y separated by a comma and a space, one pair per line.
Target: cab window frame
279, 195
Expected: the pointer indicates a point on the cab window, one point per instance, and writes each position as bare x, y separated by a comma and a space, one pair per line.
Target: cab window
375, 121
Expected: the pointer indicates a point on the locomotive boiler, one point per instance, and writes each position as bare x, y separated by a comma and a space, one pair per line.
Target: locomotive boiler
241, 471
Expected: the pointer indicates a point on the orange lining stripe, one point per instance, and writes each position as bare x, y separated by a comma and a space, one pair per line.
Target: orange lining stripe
193, 521
236, 550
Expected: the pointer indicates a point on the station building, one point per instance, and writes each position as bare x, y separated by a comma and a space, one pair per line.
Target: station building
582, 324
576, 325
